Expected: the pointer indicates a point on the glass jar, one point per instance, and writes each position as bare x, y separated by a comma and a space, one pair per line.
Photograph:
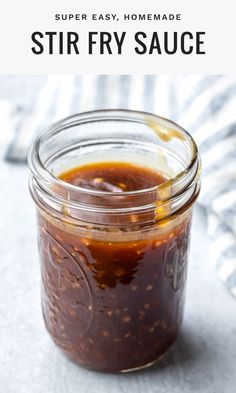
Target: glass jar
114, 264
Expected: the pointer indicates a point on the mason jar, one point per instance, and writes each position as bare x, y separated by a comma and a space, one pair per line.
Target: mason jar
114, 264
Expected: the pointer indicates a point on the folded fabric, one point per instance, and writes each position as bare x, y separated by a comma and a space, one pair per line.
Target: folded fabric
211, 117
204, 105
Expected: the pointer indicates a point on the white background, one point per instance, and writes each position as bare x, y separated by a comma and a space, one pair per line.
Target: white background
19, 19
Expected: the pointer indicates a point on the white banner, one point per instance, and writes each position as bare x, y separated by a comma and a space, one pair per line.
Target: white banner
117, 37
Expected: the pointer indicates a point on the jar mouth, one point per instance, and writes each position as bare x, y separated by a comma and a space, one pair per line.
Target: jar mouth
42, 173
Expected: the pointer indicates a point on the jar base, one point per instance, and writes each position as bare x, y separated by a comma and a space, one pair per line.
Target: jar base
144, 366
118, 371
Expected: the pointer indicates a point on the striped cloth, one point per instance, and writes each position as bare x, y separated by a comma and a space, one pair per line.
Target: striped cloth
204, 105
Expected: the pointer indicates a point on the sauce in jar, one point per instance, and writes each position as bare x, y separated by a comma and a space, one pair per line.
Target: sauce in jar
113, 300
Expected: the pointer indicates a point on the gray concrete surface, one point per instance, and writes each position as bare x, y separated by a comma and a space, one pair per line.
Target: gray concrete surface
202, 360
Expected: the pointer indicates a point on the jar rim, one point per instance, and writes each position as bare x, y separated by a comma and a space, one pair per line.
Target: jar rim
40, 171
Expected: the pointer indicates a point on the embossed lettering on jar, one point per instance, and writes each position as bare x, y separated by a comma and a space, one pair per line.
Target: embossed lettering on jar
114, 192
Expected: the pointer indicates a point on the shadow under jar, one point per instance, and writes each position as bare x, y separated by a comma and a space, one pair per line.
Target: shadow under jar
114, 257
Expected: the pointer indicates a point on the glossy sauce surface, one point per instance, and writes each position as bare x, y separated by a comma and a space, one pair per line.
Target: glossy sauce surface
113, 304
113, 177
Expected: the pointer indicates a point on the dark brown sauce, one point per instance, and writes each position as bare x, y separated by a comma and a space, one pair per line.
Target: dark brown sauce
113, 304
113, 177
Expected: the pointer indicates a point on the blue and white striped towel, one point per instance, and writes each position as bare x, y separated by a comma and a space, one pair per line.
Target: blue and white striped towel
204, 105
